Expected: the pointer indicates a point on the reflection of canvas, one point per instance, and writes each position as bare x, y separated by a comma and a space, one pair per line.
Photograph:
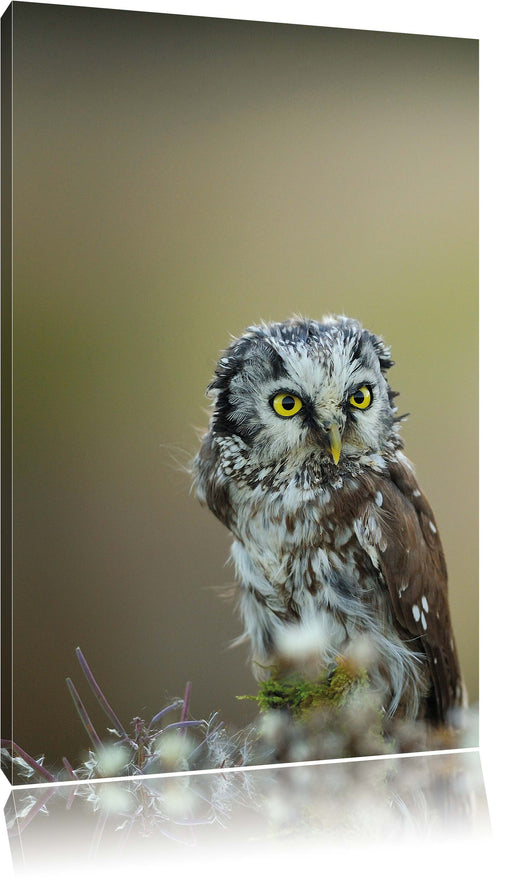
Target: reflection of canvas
335, 806
175, 180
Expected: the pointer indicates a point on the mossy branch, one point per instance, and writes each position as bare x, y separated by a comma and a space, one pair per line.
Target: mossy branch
296, 693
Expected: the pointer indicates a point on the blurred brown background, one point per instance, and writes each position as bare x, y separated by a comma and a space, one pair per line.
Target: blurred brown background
176, 179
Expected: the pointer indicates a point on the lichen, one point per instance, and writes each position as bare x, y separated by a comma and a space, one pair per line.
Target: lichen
299, 694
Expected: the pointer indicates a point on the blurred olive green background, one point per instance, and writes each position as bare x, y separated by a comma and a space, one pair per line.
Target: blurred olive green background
176, 179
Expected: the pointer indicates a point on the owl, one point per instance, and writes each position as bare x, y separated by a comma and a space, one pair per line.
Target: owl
304, 464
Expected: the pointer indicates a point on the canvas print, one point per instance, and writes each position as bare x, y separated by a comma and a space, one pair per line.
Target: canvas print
239, 425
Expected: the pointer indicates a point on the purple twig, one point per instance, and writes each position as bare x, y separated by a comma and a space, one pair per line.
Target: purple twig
160, 714
82, 713
181, 724
69, 768
186, 701
100, 696
6, 743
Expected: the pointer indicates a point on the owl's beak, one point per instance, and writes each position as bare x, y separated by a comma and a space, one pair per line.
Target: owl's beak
335, 442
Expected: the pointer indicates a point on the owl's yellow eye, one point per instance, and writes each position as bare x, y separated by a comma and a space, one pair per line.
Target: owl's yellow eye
361, 399
286, 404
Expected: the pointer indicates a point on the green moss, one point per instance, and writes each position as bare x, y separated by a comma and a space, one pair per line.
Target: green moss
298, 694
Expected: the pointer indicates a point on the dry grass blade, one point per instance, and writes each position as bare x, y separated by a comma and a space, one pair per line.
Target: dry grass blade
100, 696
82, 713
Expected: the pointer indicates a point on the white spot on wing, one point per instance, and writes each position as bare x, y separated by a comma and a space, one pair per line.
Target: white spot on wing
423, 621
416, 612
424, 604
378, 498
432, 527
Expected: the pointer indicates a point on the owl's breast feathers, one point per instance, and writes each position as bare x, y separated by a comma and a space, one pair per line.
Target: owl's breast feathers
362, 546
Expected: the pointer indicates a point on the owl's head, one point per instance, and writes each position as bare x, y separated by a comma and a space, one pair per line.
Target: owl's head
301, 386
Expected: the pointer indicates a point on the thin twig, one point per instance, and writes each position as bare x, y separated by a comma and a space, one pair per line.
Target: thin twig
182, 724
82, 713
160, 714
69, 768
186, 701
98, 692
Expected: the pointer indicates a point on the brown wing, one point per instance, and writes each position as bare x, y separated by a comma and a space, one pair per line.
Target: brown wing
209, 490
414, 570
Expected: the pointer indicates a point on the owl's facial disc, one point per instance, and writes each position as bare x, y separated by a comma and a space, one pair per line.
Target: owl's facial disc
329, 417
302, 390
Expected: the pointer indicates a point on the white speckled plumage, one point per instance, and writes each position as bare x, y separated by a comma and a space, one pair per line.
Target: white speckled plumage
331, 541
